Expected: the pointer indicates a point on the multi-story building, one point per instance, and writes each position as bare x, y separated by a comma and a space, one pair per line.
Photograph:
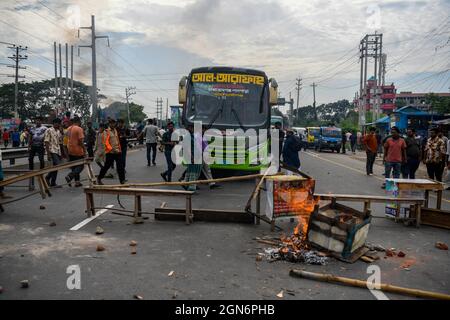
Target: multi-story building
417, 100
386, 95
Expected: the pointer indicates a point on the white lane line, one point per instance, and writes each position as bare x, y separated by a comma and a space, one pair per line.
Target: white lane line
86, 221
378, 294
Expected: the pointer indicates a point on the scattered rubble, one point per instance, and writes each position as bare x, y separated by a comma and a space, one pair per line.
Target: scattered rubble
42, 207
280, 295
99, 230
100, 248
171, 273
52, 224
24, 284
401, 254
441, 246
133, 250
133, 243
138, 297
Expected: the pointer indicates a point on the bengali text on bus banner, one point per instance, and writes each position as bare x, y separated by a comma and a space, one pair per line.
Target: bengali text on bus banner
228, 78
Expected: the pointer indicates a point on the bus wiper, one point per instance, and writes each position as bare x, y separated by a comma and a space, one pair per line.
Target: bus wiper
219, 112
233, 111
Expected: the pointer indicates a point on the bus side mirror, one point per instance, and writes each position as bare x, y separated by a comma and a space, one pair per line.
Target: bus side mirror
182, 90
273, 92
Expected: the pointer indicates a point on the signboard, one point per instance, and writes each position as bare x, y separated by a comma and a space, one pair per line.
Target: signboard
289, 196
175, 116
9, 124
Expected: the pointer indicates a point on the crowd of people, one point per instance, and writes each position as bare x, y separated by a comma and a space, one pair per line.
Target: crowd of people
402, 155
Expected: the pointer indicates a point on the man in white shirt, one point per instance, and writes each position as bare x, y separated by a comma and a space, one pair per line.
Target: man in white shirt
151, 134
53, 142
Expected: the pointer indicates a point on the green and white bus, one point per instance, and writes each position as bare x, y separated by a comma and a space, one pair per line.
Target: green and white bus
230, 98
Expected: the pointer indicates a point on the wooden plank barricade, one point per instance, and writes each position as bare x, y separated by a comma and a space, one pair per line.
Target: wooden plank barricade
44, 189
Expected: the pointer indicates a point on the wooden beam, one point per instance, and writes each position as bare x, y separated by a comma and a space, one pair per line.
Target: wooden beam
136, 191
209, 215
364, 198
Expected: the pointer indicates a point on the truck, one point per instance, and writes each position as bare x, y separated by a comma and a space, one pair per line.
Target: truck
330, 138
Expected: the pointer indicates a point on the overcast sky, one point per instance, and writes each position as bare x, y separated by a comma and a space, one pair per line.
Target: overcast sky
154, 42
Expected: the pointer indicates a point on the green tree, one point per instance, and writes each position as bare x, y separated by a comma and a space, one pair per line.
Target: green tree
37, 98
438, 104
118, 109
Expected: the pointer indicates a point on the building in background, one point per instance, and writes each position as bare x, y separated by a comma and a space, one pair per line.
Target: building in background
385, 93
416, 100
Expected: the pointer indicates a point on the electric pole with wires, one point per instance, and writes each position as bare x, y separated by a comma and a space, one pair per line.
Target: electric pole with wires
314, 85
298, 88
16, 58
128, 93
94, 37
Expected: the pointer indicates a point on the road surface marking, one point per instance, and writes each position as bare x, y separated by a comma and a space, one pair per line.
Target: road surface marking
86, 221
357, 170
378, 294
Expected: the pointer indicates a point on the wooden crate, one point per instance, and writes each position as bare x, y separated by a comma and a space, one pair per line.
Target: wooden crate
339, 230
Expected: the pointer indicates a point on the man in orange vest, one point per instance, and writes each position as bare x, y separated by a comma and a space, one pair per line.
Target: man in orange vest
113, 153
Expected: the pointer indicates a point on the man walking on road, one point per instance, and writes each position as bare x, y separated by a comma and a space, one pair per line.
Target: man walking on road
53, 142
168, 147
36, 146
151, 134
371, 146
412, 155
292, 147
90, 139
124, 135
113, 153
394, 154
435, 152
75, 149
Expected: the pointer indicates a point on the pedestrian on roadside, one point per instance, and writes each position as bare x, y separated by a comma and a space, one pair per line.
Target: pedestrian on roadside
379, 143
394, 154
193, 169
359, 142
348, 136
371, 146
413, 155
90, 139
24, 137
435, 152
15, 138
168, 147
53, 141
36, 144
5, 137
344, 142
113, 153
99, 149
206, 170
76, 150
291, 148
280, 141
445, 139
151, 134
124, 135
353, 140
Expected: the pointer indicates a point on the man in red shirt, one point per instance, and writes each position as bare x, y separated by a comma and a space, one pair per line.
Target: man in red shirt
394, 154
371, 146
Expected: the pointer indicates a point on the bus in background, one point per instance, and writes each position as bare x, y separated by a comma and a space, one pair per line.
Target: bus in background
230, 98
312, 136
330, 139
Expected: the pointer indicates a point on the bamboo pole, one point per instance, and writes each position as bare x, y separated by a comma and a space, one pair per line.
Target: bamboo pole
363, 284
157, 184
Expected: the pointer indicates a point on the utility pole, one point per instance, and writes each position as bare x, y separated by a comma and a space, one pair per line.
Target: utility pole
159, 106
94, 37
17, 57
291, 111
57, 107
128, 93
167, 110
298, 88
314, 85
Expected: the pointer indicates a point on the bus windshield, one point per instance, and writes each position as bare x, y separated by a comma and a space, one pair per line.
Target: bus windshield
332, 132
228, 104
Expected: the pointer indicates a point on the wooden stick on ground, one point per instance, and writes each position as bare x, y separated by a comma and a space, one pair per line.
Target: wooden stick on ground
363, 284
